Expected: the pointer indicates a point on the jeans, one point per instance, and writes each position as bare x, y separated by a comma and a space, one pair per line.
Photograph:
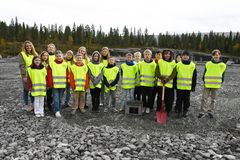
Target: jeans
68, 95
109, 94
57, 97
127, 94
25, 97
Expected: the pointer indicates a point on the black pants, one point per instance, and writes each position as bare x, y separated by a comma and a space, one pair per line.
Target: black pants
137, 93
168, 99
95, 94
49, 99
147, 96
183, 101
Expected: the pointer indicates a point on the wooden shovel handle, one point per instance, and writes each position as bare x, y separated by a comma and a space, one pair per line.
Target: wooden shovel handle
163, 92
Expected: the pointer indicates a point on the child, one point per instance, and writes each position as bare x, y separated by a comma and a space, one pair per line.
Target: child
37, 85
105, 54
186, 74
79, 84
83, 51
166, 71
70, 61
129, 73
110, 81
213, 78
158, 56
137, 89
51, 48
95, 73
147, 78
45, 62
25, 60
57, 80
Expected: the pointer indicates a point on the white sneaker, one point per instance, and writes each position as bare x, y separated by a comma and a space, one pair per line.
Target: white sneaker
105, 110
147, 110
42, 115
143, 109
57, 114
38, 115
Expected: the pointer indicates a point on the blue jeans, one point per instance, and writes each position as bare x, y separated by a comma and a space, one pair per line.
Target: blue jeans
68, 95
57, 97
127, 94
25, 97
109, 94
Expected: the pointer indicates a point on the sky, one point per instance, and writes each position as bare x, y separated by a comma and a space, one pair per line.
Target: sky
158, 16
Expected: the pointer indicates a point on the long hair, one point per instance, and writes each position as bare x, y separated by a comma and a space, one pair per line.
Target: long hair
41, 55
108, 55
33, 51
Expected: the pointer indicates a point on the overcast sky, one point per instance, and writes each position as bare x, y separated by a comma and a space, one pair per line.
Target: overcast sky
157, 15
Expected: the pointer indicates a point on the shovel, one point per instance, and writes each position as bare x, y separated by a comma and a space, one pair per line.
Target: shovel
162, 115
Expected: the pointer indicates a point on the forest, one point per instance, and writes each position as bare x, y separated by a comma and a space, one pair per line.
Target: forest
72, 37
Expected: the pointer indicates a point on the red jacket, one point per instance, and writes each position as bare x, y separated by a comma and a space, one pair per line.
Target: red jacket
72, 82
49, 75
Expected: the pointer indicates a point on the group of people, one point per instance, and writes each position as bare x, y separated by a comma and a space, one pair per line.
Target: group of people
51, 74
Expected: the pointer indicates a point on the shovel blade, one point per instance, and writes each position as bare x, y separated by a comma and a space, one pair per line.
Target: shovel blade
162, 117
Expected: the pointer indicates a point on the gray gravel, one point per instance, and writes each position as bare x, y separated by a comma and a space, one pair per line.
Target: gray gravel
115, 135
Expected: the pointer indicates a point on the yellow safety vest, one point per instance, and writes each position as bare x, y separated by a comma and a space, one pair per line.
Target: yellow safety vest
95, 70
59, 74
110, 74
147, 73
27, 59
166, 69
105, 62
213, 75
138, 76
38, 78
86, 61
51, 58
129, 76
184, 75
79, 73
69, 64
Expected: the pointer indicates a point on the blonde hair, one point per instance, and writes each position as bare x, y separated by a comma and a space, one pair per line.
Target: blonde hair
42, 55
85, 56
147, 51
137, 53
51, 45
108, 55
33, 51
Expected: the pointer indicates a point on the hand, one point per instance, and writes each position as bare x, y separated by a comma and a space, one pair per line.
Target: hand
25, 79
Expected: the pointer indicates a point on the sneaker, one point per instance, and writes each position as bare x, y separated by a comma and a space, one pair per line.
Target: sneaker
210, 115
143, 109
29, 108
57, 114
42, 115
121, 110
101, 104
147, 110
66, 105
82, 110
201, 115
38, 115
85, 106
73, 112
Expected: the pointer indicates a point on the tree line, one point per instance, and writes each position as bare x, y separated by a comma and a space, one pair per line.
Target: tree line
11, 35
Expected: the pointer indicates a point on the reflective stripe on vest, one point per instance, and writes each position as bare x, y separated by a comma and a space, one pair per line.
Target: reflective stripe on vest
166, 69
59, 74
147, 73
79, 73
213, 75
95, 69
128, 77
38, 79
110, 74
27, 59
184, 75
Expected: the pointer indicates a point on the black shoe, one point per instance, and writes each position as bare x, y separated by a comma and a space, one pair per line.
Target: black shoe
201, 115
210, 115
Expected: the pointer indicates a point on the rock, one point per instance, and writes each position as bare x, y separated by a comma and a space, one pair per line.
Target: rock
62, 145
229, 157
238, 150
132, 146
125, 149
198, 156
211, 152
105, 157
31, 139
117, 150
190, 136
173, 159
163, 152
13, 144
67, 150
204, 154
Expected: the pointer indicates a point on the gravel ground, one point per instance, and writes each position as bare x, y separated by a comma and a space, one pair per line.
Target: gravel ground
116, 135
